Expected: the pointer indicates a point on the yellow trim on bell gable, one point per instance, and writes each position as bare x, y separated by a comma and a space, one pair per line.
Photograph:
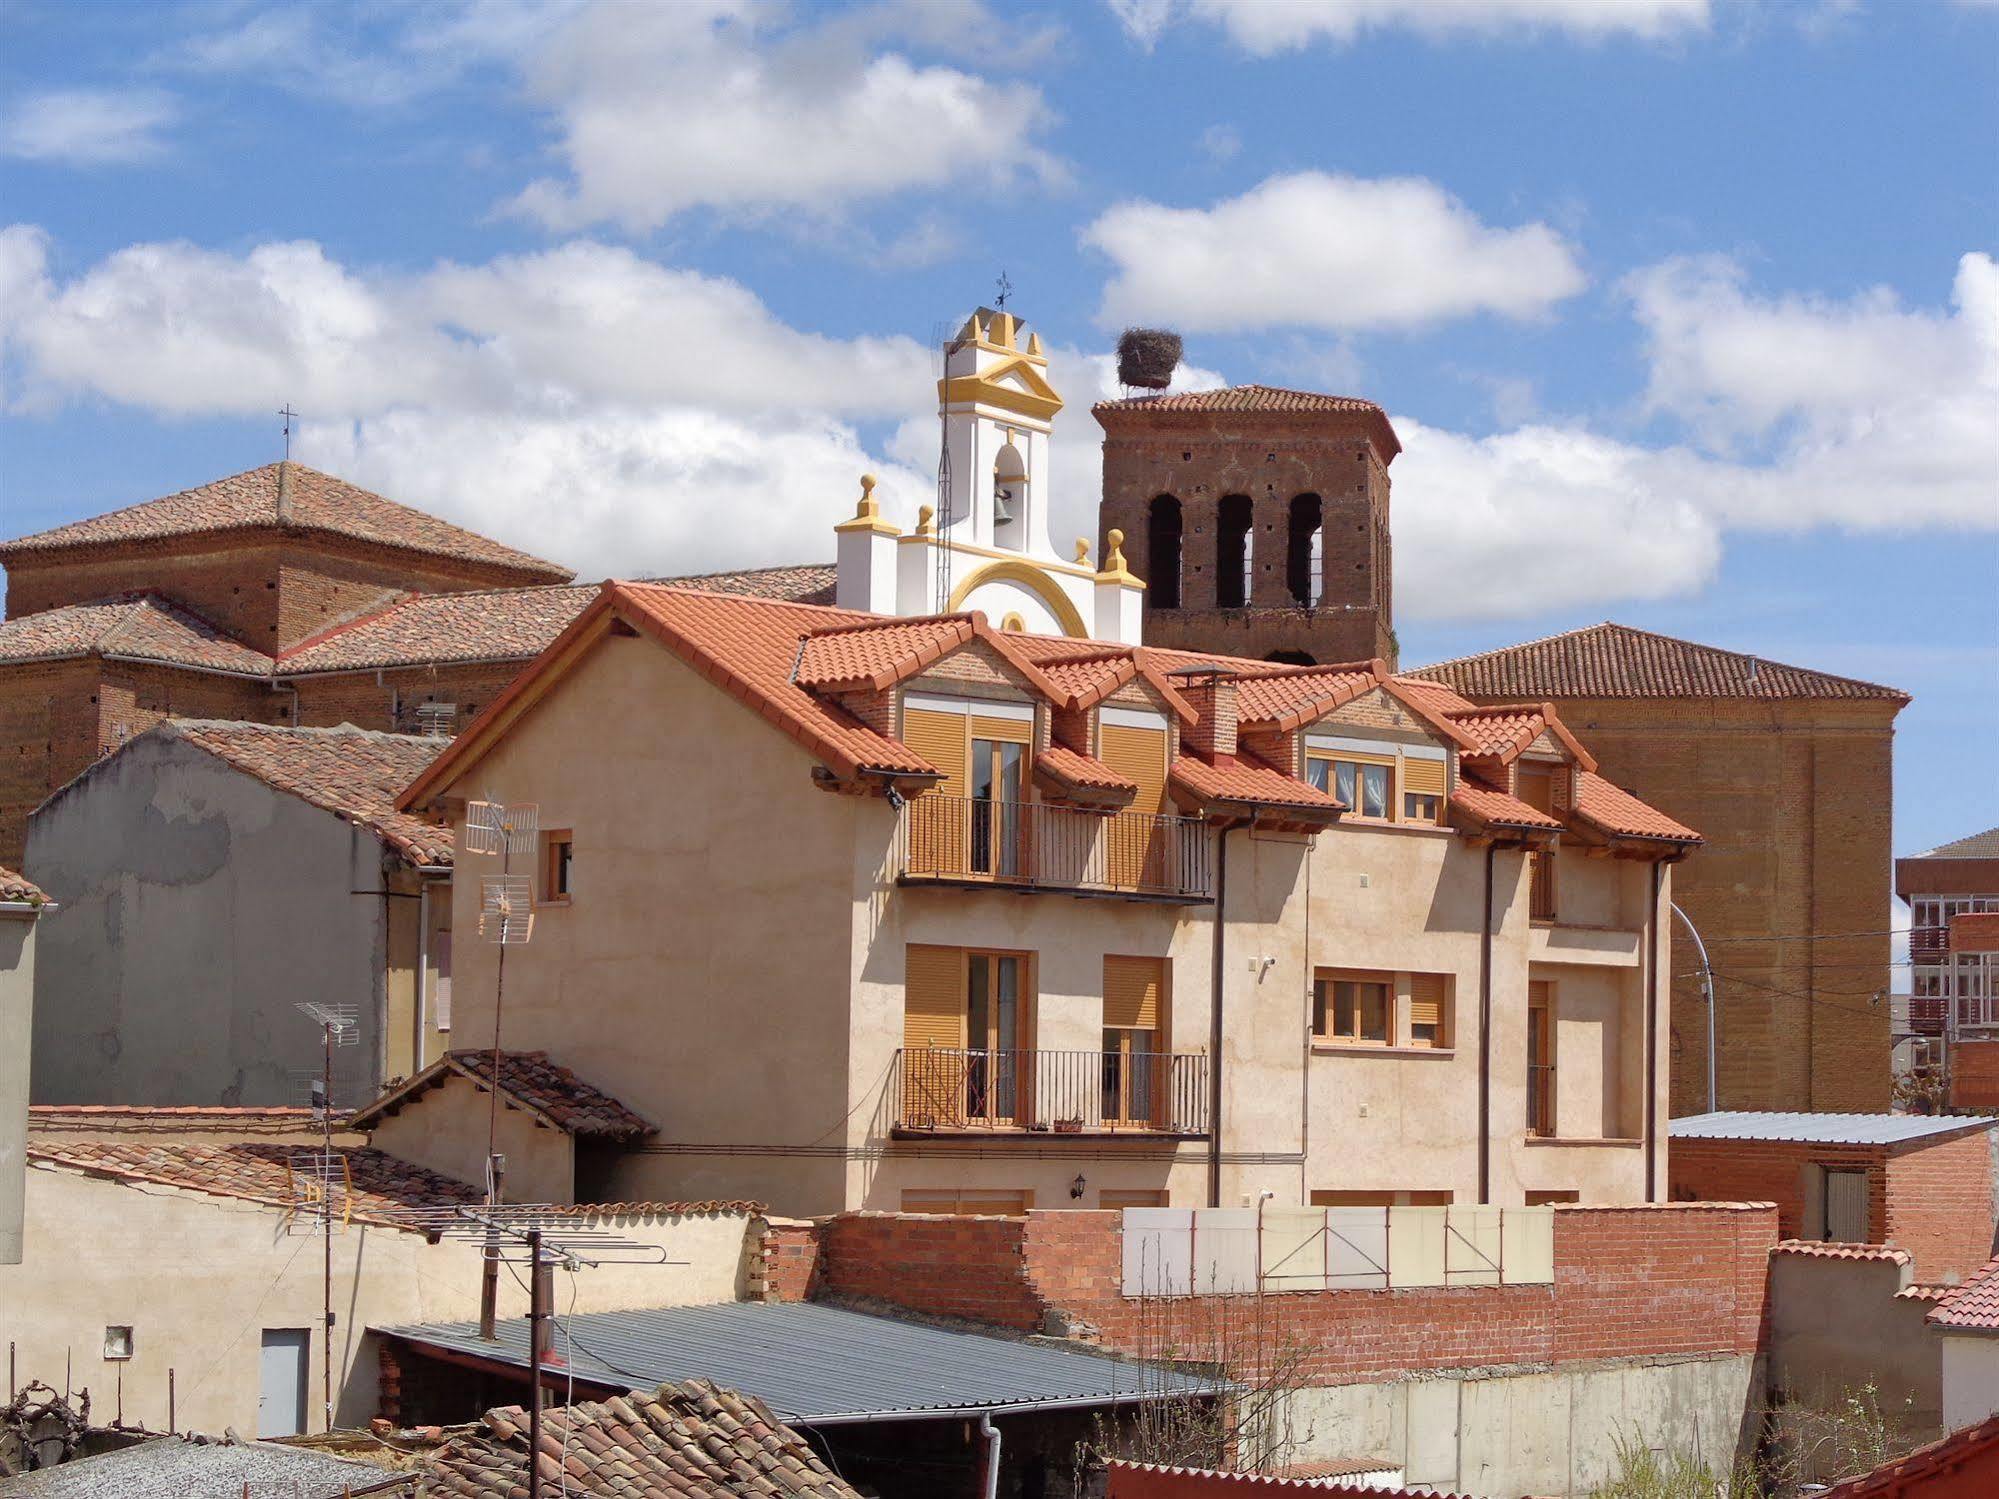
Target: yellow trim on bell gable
1034, 578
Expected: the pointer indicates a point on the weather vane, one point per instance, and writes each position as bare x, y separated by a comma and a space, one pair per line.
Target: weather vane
290, 416
1005, 290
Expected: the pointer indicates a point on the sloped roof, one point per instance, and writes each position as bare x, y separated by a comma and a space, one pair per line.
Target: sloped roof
1983, 845
1947, 1466
1616, 661
1974, 1305
1821, 1129
379, 1183
19, 889
1815, 1249
1618, 812
356, 774
1247, 779
877, 653
1290, 698
1073, 769
800, 583
291, 496
492, 624
691, 1438
528, 1080
139, 625
1488, 806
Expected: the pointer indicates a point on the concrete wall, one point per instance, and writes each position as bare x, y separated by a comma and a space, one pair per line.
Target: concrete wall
98, 1253
1970, 1379
1550, 1432
1838, 1324
17, 1010
198, 908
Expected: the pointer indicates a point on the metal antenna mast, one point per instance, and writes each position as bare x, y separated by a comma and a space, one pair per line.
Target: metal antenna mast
290, 416
314, 1185
506, 919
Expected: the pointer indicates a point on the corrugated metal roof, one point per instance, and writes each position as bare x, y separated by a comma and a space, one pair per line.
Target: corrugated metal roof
1821, 1129
819, 1365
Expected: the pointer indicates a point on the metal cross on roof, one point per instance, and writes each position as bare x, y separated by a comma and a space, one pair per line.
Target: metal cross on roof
1005, 290
290, 416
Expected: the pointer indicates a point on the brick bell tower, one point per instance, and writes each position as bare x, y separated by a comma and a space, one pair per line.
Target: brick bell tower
1258, 518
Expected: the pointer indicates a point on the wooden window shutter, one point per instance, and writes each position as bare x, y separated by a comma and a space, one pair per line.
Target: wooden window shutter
1537, 994
1139, 755
933, 997
1131, 992
940, 738
1423, 777
1427, 992
1003, 730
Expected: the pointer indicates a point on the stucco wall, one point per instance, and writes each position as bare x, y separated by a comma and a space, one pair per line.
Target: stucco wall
17, 999
198, 908
1970, 1379
99, 1252
1837, 1324
1552, 1432
446, 1129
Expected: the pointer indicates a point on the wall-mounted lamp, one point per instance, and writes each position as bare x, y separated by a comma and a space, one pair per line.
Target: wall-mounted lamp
1076, 1187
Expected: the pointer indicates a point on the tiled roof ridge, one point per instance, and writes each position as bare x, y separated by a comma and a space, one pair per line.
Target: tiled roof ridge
680, 579
669, 586
877, 621
339, 730
1828, 1250
532, 1080
1754, 658
369, 616
1260, 387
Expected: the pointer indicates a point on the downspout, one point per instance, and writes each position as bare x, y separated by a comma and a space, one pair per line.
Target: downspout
1485, 1037
423, 889
991, 1433
1651, 1039
1215, 1021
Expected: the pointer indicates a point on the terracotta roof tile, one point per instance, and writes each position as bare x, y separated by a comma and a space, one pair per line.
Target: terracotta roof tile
1921, 1292
1074, 769
877, 653
1973, 1306
1264, 400
138, 625
1617, 811
1485, 804
1983, 845
805, 583
1616, 661
19, 889
1290, 699
689, 1439
355, 774
1886, 1253
1501, 732
379, 1183
1938, 1468
1249, 779
1088, 679
494, 624
529, 1080
289, 495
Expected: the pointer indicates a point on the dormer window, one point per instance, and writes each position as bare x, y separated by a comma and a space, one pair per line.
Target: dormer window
1365, 786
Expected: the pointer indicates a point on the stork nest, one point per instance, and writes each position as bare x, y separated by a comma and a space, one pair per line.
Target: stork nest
1147, 357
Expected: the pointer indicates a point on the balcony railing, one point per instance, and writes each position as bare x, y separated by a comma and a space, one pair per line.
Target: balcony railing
952, 1089
970, 840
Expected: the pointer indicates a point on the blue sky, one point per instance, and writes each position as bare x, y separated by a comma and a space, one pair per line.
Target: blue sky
1685, 309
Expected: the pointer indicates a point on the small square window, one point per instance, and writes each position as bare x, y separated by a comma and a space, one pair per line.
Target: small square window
118, 1342
558, 848
1419, 807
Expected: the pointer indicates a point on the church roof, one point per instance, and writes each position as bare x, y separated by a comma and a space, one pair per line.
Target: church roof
291, 496
136, 626
1248, 399
1615, 661
1983, 845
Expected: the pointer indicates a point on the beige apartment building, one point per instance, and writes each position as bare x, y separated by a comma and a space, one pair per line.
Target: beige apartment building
912, 913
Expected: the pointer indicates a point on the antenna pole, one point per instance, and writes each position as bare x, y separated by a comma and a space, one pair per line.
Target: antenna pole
489, 1270
326, 1228
540, 1303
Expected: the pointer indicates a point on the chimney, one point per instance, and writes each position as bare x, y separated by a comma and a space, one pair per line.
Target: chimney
1211, 691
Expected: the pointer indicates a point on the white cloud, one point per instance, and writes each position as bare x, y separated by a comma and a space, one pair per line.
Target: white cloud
88, 127
719, 104
1316, 250
1264, 27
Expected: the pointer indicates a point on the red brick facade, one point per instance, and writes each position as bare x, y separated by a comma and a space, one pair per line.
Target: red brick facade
1974, 1075
1629, 1283
790, 1261
1932, 1197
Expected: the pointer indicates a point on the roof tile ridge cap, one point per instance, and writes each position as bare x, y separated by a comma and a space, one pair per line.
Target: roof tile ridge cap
1754, 657
872, 622
335, 631
1521, 645
745, 599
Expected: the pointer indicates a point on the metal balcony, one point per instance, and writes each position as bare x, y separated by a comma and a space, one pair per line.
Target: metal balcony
957, 840
953, 1090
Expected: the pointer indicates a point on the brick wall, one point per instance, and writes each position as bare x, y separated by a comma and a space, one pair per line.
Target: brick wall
1772, 1171
390, 703
1939, 1204
1630, 1282
1974, 1075
790, 1260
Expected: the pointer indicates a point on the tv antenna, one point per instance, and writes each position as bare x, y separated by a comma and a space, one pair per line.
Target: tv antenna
506, 919
543, 1237
318, 1178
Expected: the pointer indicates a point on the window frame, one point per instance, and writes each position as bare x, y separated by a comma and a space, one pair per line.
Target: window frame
558, 852
1400, 1037
1325, 1005
1543, 1115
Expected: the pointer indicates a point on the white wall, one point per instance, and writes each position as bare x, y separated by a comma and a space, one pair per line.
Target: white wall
1970, 1379
17, 1011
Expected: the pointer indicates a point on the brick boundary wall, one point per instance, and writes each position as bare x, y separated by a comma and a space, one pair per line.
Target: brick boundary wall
1636, 1282
790, 1250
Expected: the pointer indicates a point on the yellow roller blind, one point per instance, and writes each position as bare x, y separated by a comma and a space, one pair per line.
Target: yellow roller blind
1426, 998
940, 738
1423, 777
1003, 730
933, 997
1138, 755
1131, 992
1537, 994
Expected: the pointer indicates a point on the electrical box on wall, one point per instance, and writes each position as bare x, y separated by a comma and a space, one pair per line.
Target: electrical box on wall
118, 1343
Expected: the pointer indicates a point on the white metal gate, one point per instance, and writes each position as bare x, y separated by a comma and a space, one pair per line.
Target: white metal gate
281, 1398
